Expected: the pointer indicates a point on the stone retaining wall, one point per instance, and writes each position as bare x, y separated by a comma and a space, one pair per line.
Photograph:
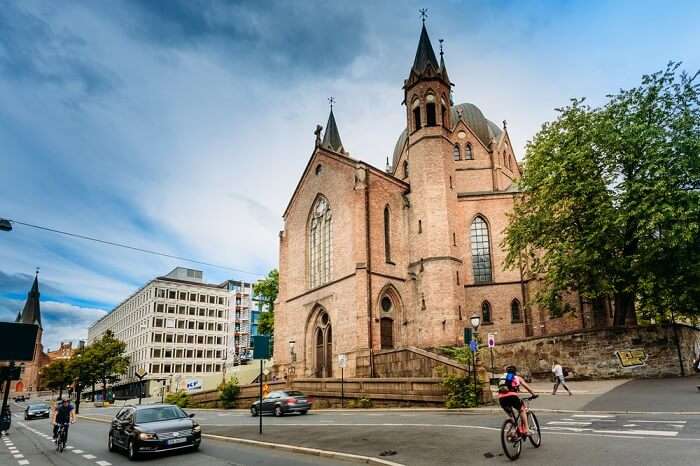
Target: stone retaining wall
595, 354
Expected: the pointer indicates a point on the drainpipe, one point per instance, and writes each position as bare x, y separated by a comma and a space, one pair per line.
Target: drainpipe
369, 277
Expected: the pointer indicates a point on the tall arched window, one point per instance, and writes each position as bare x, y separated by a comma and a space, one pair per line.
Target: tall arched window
468, 154
481, 251
319, 237
416, 115
387, 234
515, 314
430, 111
405, 168
456, 155
443, 112
486, 312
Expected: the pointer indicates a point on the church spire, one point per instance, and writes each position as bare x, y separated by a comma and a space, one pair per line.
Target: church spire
331, 138
31, 314
425, 65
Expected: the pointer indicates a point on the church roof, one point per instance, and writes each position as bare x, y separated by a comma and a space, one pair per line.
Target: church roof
31, 314
331, 138
425, 55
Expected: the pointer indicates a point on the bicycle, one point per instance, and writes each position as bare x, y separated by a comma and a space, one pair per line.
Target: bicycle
61, 437
512, 434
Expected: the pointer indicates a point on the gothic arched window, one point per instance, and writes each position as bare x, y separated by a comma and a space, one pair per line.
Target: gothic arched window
486, 312
405, 168
456, 155
430, 111
416, 115
319, 237
387, 234
515, 314
443, 112
481, 251
468, 154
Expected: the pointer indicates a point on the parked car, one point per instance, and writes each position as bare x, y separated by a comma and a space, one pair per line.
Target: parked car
152, 429
19, 398
36, 411
281, 403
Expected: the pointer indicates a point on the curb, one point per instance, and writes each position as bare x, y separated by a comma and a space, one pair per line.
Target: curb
284, 447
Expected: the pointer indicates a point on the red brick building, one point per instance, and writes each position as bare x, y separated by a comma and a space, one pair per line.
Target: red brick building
374, 259
30, 370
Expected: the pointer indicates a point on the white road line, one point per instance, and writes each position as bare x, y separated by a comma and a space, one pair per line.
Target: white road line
596, 416
89, 457
23, 462
103, 463
570, 423
660, 422
658, 433
77, 452
18, 455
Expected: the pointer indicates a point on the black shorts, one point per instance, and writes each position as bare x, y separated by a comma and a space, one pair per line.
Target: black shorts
511, 404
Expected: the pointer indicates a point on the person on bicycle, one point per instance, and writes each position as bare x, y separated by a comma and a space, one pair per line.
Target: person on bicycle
508, 389
63, 415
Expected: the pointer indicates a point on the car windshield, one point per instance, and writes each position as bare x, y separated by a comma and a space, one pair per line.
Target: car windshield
294, 393
161, 413
39, 406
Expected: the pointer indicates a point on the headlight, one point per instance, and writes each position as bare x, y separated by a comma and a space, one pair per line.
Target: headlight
197, 428
147, 436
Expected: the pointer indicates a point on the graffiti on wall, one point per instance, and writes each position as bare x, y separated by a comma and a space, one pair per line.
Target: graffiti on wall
631, 358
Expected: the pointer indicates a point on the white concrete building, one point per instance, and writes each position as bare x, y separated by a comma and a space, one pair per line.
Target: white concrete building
179, 330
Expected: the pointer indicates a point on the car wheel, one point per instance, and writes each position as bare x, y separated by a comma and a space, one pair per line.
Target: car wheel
131, 451
110, 443
253, 411
278, 411
195, 447
26, 418
304, 412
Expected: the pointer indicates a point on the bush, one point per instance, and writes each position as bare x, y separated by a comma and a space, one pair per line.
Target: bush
181, 399
460, 391
362, 402
228, 392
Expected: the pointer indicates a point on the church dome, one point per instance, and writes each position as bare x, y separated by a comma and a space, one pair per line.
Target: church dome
484, 129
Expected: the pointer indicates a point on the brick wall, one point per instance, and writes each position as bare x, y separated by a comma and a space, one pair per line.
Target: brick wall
592, 354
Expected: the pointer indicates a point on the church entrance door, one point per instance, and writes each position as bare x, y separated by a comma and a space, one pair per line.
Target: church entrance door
323, 345
386, 332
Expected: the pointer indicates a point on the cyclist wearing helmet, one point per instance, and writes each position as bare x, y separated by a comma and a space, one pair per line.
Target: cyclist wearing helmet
508, 389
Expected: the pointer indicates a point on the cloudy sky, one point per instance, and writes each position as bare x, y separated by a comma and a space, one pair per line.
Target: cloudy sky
183, 125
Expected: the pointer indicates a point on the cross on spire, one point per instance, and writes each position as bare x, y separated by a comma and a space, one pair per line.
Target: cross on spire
331, 101
37, 270
423, 14
441, 41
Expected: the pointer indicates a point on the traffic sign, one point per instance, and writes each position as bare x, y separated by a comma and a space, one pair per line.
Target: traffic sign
474, 346
492, 340
141, 373
342, 360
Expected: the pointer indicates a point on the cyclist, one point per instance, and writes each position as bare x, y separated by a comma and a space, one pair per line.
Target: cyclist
63, 414
508, 388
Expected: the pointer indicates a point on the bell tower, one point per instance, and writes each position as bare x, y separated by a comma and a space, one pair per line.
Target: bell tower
433, 217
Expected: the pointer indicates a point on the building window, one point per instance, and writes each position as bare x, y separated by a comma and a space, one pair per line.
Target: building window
486, 312
420, 226
416, 115
515, 313
430, 111
387, 234
468, 153
481, 251
319, 238
456, 155
405, 168
443, 112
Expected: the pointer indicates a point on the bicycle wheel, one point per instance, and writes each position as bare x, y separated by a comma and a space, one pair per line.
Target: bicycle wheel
533, 423
510, 439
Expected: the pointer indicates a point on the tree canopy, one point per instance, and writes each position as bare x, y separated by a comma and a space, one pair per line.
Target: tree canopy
611, 200
266, 290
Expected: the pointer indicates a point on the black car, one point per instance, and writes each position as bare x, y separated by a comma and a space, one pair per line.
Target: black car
19, 398
36, 411
153, 428
281, 403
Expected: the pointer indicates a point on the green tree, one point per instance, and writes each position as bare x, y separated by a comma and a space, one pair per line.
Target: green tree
228, 392
266, 291
108, 360
83, 369
611, 200
57, 376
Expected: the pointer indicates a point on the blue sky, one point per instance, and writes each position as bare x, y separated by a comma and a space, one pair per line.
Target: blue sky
183, 126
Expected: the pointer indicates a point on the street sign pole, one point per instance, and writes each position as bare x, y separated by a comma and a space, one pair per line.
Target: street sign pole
261, 400
5, 418
342, 387
492, 343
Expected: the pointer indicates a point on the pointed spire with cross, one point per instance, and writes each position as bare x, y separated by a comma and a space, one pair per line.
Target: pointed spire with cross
331, 101
423, 14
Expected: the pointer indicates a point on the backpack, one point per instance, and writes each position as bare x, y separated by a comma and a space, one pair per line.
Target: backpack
505, 383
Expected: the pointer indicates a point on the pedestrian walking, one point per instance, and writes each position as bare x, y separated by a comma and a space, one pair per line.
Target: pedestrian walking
558, 372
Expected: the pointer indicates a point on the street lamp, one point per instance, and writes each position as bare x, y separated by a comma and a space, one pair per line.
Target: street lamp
475, 320
291, 350
5, 225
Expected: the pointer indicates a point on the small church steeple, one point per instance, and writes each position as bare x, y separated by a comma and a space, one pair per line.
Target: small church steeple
31, 313
331, 138
425, 64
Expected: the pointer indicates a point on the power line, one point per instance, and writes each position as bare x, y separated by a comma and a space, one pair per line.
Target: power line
133, 248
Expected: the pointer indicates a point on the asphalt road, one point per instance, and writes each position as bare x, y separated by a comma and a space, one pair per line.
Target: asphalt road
29, 443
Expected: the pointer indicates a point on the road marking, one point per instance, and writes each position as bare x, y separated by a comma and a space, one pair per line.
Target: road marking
659, 433
77, 452
596, 416
23, 462
570, 423
103, 463
19, 455
660, 422
89, 457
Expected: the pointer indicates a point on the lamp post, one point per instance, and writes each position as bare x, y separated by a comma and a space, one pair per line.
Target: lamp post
475, 320
292, 356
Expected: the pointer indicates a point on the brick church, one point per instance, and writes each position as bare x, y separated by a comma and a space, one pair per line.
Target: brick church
372, 259
31, 314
